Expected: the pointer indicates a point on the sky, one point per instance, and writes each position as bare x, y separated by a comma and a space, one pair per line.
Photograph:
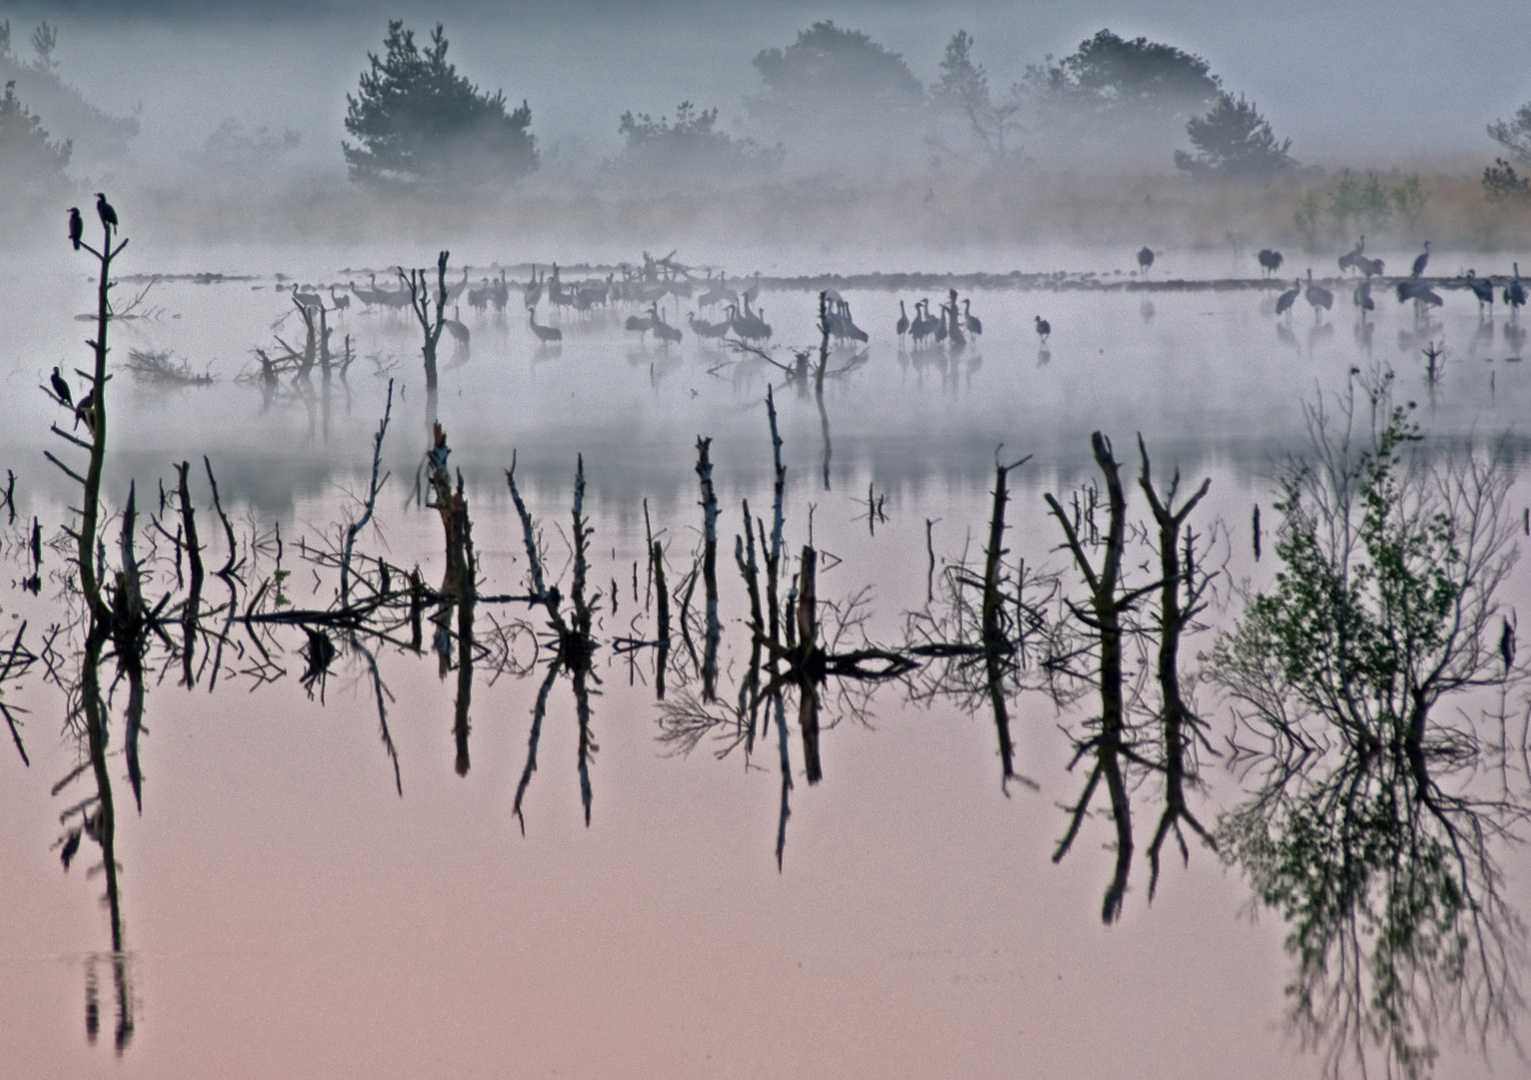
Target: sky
1364, 83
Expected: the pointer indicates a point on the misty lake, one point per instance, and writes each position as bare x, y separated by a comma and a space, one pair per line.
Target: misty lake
635, 810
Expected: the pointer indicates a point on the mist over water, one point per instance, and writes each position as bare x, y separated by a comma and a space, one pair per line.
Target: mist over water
509, 754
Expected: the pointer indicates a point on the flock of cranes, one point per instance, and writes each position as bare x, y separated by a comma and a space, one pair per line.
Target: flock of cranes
1416, 288
648, 286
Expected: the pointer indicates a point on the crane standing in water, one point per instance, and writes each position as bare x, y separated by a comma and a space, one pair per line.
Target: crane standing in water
1285, 301
1145, 259
1270, 261
1044, 329
974, 323
545, 334
1318, 296
1515, 294
1483, 289
1421, 262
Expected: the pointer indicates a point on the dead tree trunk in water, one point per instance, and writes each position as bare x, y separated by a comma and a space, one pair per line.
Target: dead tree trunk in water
1104, 619
808, 662
996, 646
91, 410
1176, 718
418, 282
709, 568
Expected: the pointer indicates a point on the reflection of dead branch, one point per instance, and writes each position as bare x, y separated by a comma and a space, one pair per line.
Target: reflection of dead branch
685, 721
986, 629
161, 369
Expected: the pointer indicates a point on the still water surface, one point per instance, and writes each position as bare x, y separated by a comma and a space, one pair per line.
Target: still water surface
287, 911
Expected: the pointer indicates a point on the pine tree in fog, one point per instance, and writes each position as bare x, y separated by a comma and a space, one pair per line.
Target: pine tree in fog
420, 124
964, 88
1234, 140
27, 158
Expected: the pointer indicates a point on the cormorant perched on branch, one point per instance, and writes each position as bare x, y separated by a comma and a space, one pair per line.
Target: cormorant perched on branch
76, 227
61, 388
86, 410
104, 208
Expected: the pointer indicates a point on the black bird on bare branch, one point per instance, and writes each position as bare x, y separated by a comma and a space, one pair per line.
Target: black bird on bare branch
61, 388
104, 208
86, 411
76, 227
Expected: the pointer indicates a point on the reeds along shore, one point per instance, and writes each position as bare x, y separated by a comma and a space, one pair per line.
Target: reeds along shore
1316, 210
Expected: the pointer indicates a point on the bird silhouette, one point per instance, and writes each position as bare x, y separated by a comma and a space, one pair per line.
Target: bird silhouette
104, 208
545, 334
1421, 262
902, 326
1285, 301
61, 388
974, 323
1483, 289
1515, 293
1270, 260
1044, 329
1418, 291
1145, 259
1351, 259
1318, 296
1362, 297
86, 411
76, 227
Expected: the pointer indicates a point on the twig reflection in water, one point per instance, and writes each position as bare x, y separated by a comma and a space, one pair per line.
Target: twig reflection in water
790, 651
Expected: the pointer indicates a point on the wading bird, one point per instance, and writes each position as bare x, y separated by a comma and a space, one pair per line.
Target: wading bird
1044, 329
1515, 293
1421, 262
1483, 289
1418, 291
902, 326
704, 329
1145, 259
104, 208
76, 227
1369, 267
1352, 258
458, 331
973, 322
1270, 261
1318, 296
1285, 301
663, 330
545, 334
1362, 297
